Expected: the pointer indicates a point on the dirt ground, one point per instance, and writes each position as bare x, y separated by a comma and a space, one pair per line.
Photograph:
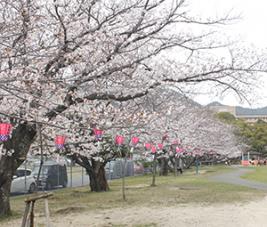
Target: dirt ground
240, 214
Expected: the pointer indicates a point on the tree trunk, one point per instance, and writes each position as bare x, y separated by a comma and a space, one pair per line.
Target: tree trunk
4, 199
154, 171
96, 172
5, 183
19, 144
97, 175
189, 162
123, 165
175, 166
163, 167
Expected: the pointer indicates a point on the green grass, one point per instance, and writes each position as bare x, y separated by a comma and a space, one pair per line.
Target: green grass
259, 174
170, 191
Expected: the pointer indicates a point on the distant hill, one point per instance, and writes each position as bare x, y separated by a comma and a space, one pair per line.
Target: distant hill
215, 104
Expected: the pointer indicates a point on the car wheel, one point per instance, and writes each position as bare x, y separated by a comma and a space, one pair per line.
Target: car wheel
32, 188
65, 183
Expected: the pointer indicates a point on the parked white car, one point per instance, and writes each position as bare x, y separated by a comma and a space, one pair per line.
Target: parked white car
23, 182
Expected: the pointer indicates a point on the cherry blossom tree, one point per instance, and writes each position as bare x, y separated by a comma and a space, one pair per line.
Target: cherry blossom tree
61, 59
186, 125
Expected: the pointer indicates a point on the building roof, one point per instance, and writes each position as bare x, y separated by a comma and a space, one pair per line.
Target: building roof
241, 111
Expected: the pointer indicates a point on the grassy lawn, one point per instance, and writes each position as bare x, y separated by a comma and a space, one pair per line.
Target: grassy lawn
259, 174
170, 191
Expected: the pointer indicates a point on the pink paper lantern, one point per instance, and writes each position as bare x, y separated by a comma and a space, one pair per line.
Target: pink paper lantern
98, 134
176, 142
160, 146
60, 141
119, 140
148, 146
153, 149
5, 129
135, 140
179, 150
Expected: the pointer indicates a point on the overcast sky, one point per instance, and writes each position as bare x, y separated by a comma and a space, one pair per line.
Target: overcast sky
251, 28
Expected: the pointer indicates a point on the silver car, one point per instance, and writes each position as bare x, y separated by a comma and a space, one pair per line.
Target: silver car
23, 182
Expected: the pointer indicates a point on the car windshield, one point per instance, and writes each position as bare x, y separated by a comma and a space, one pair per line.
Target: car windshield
44, 170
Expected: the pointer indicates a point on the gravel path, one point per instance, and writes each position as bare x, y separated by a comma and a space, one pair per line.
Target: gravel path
234, 178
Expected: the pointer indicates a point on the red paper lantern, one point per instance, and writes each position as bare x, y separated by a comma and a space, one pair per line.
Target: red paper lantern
160, 146
135, 140
98, 134
147, 146
179, 150
119, 140
153, 149
60, 141
5, 129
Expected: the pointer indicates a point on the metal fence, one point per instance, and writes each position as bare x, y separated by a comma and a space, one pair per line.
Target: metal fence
77, 175
114, 169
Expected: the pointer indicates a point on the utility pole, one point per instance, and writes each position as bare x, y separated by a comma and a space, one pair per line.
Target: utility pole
41, 151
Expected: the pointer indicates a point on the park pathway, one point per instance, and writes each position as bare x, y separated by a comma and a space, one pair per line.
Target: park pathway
234, 178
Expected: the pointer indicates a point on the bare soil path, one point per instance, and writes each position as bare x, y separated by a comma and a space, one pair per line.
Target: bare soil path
241, 214
190, 215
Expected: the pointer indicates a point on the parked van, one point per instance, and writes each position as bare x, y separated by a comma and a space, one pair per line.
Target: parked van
52, 175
